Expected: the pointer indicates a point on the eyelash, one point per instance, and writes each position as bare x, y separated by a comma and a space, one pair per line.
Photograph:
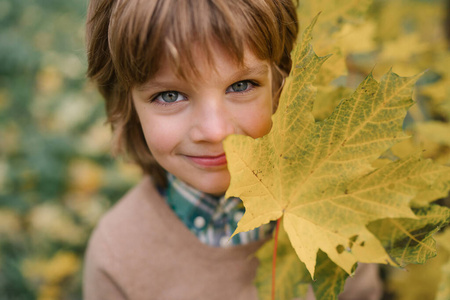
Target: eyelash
252, 83
154, 99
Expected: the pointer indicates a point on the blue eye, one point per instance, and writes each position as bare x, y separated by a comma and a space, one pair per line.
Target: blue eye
240, 86
170, 97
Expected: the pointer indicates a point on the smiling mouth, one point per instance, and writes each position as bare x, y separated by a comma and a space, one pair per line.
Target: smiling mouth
209, 161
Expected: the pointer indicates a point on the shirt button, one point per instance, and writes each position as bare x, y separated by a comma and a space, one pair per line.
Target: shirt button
224, 241
199, 222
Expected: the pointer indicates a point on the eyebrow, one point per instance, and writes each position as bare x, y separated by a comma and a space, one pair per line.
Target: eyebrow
258, 70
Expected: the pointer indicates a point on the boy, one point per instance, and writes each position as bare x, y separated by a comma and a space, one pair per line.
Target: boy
178, 76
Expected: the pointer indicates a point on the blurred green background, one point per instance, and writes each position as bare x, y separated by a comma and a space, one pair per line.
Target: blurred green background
56, 174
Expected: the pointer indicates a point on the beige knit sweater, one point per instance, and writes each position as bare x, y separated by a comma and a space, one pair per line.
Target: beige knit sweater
141, 250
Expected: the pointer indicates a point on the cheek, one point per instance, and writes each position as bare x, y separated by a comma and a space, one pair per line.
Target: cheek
256, 120
161, 136
260, 124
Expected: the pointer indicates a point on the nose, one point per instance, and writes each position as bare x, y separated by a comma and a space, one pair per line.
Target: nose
213, 122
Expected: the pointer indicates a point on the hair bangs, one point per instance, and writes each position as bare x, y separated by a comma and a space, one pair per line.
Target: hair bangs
146, 33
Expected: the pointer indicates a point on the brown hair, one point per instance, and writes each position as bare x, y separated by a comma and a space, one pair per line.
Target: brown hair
126, 40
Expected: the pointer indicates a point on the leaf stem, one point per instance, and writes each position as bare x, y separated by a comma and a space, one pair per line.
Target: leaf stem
274, 257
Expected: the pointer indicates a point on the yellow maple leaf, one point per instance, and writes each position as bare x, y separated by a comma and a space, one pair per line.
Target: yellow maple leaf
424, 281
318, 175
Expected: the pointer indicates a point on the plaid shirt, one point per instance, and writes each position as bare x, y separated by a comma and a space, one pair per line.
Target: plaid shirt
212, 219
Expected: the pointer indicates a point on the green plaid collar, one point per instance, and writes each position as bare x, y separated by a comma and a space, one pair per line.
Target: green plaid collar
212, 219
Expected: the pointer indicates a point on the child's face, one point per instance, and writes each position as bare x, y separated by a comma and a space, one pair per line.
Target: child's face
185, 123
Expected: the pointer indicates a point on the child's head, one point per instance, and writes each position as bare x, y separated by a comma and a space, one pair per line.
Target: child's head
132, 43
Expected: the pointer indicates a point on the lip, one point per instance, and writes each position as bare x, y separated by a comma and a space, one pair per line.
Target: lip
209, 160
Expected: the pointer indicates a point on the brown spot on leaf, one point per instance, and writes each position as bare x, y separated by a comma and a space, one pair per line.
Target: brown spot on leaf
340, 249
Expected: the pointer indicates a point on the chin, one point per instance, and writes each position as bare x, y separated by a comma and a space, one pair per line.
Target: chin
214, 189
214, 185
